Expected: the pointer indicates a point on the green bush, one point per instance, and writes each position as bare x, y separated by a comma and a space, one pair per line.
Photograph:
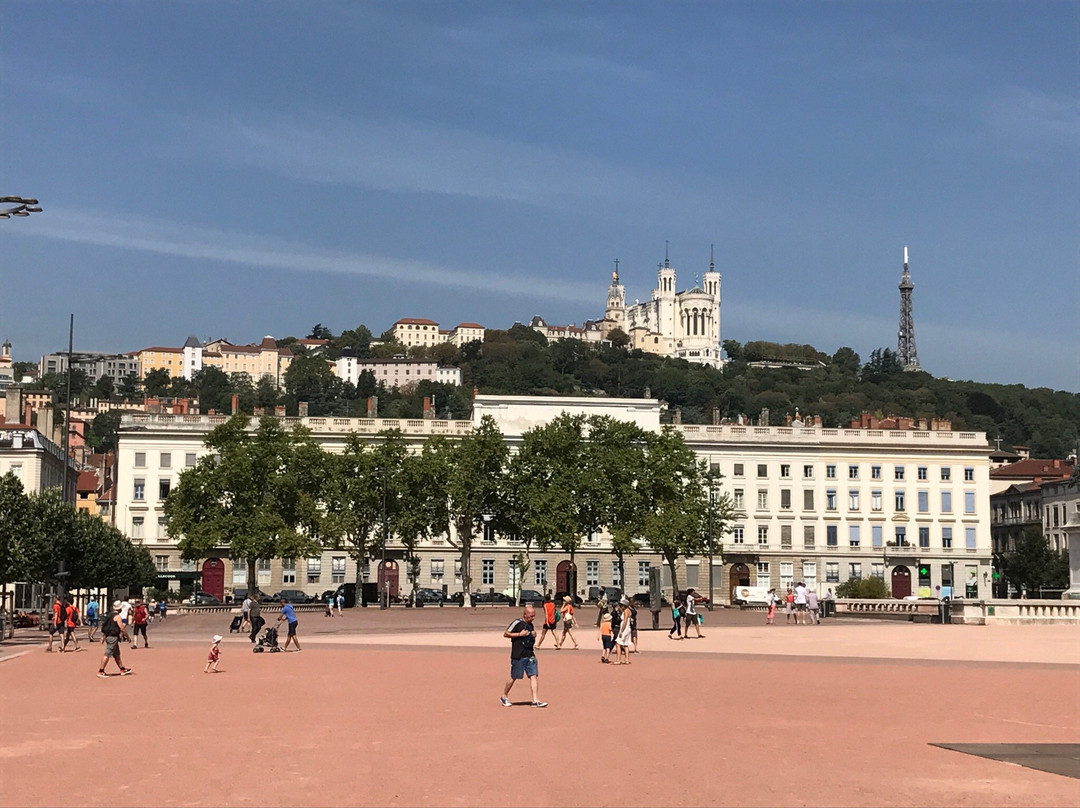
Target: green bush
865, 588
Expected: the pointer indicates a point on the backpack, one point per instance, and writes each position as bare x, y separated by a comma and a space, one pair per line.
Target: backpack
110, 629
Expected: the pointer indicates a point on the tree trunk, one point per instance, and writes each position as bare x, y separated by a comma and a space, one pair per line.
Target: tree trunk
671, 560
251, 580
465, 537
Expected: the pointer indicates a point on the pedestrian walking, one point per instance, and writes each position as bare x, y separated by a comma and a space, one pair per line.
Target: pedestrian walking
622, 640
340, 603
568, 623
288, 614
330, 606
214, 656
56, 623
93, 619
112, 632
800, 603
151, 609
245, 613
551, 618
633, 627
140, 617
163, 608
812, 606
789, 605
601, 607
770, 600
676, 622
690, 615
522, 638
125, 615
606, 637
257, 621
71, 622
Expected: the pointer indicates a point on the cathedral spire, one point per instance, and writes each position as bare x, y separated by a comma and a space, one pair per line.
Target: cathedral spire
615, 274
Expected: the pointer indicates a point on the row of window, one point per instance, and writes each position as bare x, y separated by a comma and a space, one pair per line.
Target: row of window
164, 460
922, 500
900, 536
854, 470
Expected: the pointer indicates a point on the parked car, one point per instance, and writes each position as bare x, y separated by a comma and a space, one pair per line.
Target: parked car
201, 598
497, 598
292, 596
425, 596
531, 596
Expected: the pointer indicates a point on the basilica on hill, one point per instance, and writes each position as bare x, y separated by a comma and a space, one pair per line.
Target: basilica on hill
684, 325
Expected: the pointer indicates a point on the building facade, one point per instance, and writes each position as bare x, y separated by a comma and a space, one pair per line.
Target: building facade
35, 460
813, 504
95, 365
395, 372
413, 332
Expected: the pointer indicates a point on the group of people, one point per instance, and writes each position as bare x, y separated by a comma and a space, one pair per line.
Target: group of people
553, 616
684, 616
332, 601
618, 630
800, 603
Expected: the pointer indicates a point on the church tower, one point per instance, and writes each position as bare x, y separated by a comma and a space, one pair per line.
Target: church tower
615, 314
711, 283
905, 342
664, 295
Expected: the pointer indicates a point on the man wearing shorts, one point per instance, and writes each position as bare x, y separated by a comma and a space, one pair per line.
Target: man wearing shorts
255, 615
112, 631
288, 614
522, 638
56, 623
71, 622
800, 603
92, 619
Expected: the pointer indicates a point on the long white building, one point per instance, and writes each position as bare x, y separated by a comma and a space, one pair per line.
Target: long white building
815, 504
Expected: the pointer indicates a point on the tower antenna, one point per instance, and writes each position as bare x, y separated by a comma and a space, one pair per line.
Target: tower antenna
905, 343
666, 253
712, 263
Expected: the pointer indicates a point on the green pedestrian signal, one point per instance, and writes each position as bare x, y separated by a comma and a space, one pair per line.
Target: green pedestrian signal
997, 575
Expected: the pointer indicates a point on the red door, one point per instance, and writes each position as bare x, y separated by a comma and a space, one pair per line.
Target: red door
901, 582
388, 578
213, 577
740, 576
564, 578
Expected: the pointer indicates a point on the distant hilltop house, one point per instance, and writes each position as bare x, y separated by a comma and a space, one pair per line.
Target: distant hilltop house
415, 332
256, 360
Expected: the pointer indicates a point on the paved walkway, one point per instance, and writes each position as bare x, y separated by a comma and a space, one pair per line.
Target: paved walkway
401, 708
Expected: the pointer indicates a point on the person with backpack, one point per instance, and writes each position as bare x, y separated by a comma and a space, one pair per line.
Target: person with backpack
71, 622
92, 619
112, 631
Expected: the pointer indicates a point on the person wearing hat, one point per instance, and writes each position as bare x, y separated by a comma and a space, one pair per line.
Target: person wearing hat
112, 631
568, 622
213, 657
622, 641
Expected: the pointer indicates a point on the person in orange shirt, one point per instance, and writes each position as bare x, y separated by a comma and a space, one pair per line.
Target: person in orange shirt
549, 620
568, 623
56, 624
605, 636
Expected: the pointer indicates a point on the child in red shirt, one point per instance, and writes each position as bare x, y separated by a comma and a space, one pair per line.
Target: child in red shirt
213, 657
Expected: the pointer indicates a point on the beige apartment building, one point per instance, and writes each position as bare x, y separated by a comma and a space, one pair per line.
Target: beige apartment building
417, 331
815, 504
264, 359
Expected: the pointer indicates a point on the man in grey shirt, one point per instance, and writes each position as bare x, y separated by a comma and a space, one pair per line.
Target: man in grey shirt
812, 605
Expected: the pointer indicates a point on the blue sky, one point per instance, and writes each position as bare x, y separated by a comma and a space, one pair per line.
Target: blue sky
240, 169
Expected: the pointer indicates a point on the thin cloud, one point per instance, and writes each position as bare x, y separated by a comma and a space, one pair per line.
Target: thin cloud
258, 251
1033, 120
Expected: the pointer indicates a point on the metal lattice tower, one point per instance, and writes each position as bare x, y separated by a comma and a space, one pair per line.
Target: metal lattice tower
905, 342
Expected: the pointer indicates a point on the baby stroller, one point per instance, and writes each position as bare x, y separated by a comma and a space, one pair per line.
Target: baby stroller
267, 642
237, 621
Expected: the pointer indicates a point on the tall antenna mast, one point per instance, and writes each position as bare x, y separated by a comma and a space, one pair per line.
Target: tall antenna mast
905, 342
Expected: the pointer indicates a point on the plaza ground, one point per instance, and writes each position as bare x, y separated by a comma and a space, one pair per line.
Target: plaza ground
401, 708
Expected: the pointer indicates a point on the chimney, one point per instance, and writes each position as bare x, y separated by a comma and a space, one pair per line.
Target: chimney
45, 422
302, 409
817, 420
235, 404
676, 416
13, 404
373, 407
787, 419
28, 413
715, 415
428, 412
279, 410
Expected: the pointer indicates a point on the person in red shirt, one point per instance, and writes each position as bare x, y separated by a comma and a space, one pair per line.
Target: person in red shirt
139, 618
71, 621
56, 623
549, 619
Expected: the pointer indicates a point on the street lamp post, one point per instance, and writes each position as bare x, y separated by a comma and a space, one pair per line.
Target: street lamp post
384, 600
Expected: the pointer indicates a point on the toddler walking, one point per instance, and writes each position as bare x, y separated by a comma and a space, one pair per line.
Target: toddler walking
214, 656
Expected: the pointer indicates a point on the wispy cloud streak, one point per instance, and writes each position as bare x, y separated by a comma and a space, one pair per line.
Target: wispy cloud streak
262, 252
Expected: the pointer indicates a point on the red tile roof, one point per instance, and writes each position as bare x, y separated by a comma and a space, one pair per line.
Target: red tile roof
1033, 468
415, 321
88, 481
469, 325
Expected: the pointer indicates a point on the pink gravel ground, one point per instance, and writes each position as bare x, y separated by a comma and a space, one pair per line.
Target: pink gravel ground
402, 709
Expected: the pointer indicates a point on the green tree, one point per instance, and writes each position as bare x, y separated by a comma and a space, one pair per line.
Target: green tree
266, 392
1034, 565
130, 387
104, 388
103, 430
15, 531
257, 493
213, 388
319, 331
157, 382
872, 588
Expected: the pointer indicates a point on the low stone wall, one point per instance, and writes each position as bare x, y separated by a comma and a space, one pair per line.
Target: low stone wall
1015, 612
